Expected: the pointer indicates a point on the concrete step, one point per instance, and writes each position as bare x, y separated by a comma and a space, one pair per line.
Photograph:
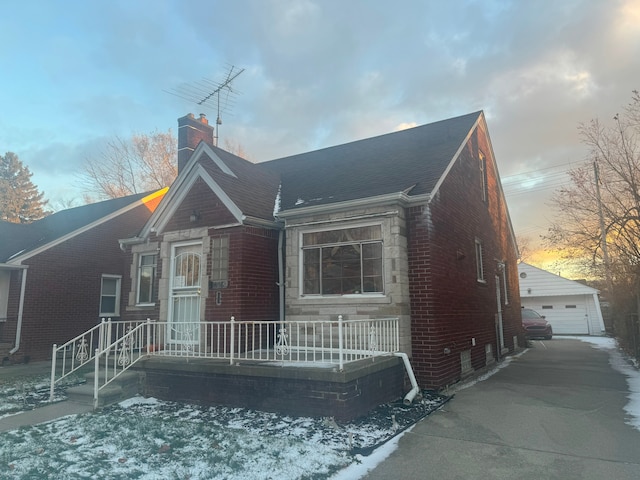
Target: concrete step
124, 386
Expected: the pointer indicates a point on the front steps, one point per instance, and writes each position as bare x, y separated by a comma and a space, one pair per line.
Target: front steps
126, 385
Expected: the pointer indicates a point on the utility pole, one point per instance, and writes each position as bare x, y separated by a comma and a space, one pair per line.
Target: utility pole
603, 233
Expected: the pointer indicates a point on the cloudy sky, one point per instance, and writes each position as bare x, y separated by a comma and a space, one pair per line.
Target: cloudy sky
74, 74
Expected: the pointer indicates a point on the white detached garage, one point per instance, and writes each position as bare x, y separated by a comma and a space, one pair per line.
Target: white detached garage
571, 308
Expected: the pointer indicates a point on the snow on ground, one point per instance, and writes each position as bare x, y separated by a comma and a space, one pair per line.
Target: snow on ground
622, 364
146, 438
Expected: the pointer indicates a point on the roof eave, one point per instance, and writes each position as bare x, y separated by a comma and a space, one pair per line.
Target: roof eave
392, 198
261, 222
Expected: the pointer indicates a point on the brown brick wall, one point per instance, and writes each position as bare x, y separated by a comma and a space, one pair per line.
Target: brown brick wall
449, 306
252, 293
205, 203
62, 295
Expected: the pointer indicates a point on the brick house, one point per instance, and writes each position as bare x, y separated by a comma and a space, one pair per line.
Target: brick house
411, 225
61, 274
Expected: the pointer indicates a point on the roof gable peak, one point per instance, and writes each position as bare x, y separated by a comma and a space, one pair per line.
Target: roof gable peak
204, 148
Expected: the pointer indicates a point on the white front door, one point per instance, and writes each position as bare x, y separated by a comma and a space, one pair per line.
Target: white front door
185, 290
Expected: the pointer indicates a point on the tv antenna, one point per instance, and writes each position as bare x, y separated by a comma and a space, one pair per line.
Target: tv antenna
206, 91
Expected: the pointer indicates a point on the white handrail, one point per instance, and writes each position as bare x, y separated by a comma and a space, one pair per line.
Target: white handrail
79, 351
325, 341
127, 351
291, 341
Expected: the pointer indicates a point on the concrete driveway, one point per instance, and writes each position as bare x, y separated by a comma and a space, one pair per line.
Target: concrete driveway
555, 412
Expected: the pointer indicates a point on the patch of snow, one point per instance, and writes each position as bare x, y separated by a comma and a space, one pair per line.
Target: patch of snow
299, 202
139, 400
276, 206
363, 465
621, 364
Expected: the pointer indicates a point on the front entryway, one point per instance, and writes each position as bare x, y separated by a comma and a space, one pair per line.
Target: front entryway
185, 294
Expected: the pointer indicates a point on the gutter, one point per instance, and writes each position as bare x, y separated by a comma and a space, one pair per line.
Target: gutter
281, 275
382, 200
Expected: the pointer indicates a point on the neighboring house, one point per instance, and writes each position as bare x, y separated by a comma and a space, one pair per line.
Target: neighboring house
412, 225
61, 274
571, 308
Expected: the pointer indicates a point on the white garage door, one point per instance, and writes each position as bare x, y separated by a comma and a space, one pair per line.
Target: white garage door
566, 319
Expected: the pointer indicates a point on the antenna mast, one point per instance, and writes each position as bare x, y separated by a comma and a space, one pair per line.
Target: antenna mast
205, 90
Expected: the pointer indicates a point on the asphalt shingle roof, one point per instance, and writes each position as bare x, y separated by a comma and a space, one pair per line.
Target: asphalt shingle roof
414, 159
19, 238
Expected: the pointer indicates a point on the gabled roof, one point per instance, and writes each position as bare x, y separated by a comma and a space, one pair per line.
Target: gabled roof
251, 187
541, 283
21, 239
247, 190
411, 161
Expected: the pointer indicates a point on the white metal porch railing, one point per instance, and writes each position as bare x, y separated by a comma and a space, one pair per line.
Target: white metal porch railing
321, 341
294, 342
80, 351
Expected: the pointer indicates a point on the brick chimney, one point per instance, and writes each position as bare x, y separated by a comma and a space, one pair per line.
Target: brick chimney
191, 131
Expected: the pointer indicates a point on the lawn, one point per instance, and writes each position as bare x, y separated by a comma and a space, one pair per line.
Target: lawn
145, 438
29, 392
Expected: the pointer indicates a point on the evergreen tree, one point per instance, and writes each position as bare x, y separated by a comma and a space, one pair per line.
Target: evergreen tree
20, 201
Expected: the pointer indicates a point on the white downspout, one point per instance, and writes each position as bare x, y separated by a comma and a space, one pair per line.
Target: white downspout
408, 398
20, 309
281, 275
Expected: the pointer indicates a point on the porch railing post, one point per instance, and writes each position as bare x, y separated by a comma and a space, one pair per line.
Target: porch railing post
233, 339
148, 334
101, 340
53, 371
108, 339
96, 379
340, 344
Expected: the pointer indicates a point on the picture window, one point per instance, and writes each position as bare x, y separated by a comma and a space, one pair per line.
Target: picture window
343, 262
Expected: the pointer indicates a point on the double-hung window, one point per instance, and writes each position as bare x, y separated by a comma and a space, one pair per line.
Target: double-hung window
343, 262
110, 295
146, 278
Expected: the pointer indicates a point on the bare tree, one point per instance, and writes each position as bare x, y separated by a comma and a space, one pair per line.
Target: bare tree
139, 164
598, 217
233, 146
614, 158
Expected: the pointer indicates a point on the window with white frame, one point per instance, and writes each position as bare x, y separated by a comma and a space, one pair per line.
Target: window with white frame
483, 177
479, 261
110, 295
343, 262
147, 264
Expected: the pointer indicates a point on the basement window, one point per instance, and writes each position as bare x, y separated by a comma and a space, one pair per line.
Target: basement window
547, 307
570, 306
342, 262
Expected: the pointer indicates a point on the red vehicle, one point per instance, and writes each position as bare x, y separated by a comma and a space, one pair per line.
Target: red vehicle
535, 325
